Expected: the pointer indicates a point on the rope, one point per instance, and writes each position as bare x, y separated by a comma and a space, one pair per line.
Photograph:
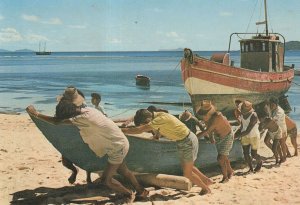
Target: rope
296, 83
130, 109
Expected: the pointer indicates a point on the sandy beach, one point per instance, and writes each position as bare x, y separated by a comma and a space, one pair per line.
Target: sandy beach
31, 173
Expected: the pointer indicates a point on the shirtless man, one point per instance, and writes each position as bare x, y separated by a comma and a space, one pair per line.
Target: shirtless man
219, 130
250, 135
278, 115
274, 132
292, 133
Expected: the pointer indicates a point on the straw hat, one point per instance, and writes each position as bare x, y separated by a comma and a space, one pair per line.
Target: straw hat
185, 116
246, 107
206, 107
71, 94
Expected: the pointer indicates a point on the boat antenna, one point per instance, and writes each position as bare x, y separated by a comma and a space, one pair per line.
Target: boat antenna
266, 19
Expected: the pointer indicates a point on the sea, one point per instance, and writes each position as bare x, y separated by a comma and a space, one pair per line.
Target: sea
26, 78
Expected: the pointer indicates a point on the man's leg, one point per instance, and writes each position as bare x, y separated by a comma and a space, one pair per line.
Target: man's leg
275, 150
267, 141
68, 164
247, 157
222, 162
110, 171
203, 178
124, 171
230, 171
88, 177
294, 143
195, 179
257, 157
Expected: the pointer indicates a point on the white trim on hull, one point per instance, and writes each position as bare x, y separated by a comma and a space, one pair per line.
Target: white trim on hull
196, 86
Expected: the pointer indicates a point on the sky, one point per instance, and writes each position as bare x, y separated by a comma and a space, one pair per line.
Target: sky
139, 25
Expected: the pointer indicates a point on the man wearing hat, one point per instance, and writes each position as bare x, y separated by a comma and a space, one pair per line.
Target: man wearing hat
190, 121
250, 135
220, 132
278, 115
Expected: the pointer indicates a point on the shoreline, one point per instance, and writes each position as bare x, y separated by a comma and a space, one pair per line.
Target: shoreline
31, 168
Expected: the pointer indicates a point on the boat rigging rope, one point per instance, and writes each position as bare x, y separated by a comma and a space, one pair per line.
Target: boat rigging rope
296, 83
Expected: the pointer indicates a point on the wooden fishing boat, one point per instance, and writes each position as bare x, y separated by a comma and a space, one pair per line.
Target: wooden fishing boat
42, 52
297, 72
145, 155
142, 80
261, 73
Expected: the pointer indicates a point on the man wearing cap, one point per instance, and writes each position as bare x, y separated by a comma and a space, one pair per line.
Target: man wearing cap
72, 94
173, 129
190, 121
250, 135
220, 132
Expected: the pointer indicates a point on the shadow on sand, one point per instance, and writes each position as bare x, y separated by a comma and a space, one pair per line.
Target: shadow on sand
97, 194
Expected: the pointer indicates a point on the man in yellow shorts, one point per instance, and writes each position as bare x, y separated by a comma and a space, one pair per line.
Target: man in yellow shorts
250, 136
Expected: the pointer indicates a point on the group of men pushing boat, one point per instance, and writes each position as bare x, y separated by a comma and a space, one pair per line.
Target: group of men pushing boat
104, 137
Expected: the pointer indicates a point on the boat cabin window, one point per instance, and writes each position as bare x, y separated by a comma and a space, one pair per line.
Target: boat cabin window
254, 46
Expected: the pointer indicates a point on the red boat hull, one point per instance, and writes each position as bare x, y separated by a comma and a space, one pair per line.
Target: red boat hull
223, 84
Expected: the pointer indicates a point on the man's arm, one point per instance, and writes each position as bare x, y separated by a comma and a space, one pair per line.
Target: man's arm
53, 120
137, 130
252, 122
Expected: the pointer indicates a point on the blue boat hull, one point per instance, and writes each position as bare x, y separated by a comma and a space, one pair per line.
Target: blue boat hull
145, 155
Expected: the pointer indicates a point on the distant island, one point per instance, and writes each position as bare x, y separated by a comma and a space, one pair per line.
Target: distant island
289, 46
292, 46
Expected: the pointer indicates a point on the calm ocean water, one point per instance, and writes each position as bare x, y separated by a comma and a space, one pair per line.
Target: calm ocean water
29, 79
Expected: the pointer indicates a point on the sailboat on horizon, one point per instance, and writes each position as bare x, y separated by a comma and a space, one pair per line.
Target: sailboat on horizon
44, 52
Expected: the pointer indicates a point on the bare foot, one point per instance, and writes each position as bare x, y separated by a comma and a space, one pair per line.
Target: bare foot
130, 198
249, 171
204, 192
258, 166
73, 176
282, 160
142, 195
296, 154
209, 182
230, 174
224, 180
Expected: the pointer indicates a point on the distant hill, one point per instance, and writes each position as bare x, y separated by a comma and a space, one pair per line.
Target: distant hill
292, 45
3, 50
24, 50
176, 49
20, 50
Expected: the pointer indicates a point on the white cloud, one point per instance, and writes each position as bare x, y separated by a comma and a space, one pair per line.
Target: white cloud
77, 26
224, 13
31, 18
10, 35
53, 21
172, 34
33, 38
175, 36
115, 40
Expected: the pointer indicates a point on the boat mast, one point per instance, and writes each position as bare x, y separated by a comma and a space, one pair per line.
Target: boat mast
266, 18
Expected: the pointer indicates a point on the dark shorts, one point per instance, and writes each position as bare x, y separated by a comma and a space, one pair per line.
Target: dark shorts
188, 148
